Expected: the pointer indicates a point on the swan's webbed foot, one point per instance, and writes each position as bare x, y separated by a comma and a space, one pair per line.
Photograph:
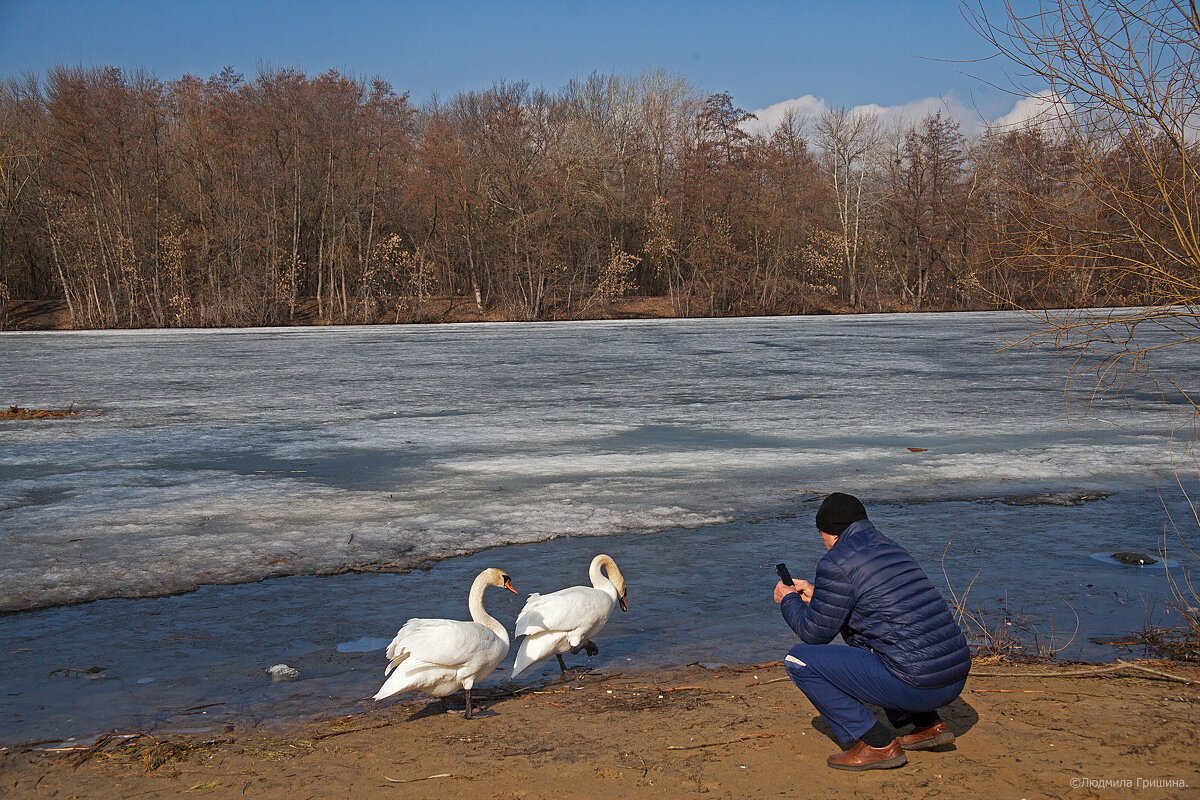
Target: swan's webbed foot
567, 672
587, 645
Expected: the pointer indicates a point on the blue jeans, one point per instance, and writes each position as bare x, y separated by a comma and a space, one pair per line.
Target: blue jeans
837, 680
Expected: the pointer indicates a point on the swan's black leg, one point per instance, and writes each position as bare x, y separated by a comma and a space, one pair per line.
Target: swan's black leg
468, 691
562, 665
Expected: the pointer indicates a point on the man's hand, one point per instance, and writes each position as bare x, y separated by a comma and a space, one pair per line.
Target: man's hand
782, 590
802, 588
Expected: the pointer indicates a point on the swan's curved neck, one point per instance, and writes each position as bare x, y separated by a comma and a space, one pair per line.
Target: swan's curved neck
599, 579
479, 614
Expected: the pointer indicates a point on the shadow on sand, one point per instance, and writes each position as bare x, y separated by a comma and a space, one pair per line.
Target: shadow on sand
959, 716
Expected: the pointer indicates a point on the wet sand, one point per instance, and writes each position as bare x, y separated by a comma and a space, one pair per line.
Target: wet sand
729, 732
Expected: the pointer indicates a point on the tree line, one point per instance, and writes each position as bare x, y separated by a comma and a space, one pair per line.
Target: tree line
288, 197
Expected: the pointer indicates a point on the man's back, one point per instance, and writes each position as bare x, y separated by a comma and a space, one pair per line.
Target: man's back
872, 591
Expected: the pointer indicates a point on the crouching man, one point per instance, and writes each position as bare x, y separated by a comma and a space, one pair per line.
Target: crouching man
906, 654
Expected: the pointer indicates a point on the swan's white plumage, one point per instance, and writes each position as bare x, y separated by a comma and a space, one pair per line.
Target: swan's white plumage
557, 622
565, 610
441, 656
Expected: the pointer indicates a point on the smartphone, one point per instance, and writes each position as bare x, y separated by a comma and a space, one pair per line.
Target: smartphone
782, 571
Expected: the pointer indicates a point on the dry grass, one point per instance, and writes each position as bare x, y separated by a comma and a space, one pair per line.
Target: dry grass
148, 754
1179, 643
18, 412
647, 698
1001, 635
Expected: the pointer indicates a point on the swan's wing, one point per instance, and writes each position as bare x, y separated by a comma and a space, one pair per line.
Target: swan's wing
563, 610
396, 650
530, 611
447, 642
537, 646
433, 679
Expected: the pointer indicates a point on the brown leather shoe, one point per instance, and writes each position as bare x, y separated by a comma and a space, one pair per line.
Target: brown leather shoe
927, 738
863, 756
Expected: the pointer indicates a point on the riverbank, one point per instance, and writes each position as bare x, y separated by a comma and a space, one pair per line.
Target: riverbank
54, 315
725, 732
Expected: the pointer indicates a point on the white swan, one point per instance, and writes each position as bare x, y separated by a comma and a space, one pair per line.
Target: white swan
440, 656
566, 620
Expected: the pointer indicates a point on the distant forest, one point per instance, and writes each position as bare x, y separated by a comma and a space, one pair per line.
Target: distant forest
132, 202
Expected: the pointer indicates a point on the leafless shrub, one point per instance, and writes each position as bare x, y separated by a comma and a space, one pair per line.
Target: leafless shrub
1002, 635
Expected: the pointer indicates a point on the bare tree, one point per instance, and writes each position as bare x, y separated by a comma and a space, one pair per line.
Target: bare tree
286, 198
922, 208
1122, 78
847, 140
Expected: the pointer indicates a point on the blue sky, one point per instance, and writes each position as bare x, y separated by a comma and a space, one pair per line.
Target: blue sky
843, 53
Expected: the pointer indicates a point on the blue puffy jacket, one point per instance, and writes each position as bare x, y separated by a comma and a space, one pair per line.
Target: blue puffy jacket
870, 590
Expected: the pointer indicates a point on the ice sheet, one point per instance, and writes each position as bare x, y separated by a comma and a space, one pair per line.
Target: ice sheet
229, 456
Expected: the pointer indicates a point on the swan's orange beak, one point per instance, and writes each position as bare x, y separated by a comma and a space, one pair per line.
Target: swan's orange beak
621, 600
508, 585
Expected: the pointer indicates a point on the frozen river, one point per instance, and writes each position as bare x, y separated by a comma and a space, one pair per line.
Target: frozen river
220, 457
228, 456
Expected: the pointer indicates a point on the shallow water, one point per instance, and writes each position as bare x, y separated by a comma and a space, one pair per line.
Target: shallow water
692, 451
695, 595
1158, 563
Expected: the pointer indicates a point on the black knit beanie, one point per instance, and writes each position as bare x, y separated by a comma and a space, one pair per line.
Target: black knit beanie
839, 511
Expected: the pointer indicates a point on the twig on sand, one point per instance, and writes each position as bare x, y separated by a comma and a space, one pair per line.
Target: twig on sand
1120, 666
1166, 676
1077, 673
99, 745
645, 767
91, 751
651, 688
717, 744
331, 734
206, 786
414, 780
765, 683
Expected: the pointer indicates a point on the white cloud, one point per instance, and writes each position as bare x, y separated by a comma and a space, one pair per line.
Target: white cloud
769, 118
1042, 109
949, 105
1037, 110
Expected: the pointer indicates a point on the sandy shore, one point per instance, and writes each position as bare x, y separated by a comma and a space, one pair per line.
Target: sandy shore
731, 732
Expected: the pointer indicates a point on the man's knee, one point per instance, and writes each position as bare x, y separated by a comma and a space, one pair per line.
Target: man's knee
797, 661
